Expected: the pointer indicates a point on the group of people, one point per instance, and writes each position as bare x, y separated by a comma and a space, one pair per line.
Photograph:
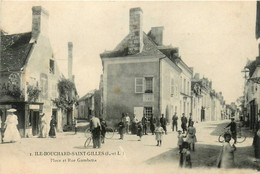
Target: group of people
10, 132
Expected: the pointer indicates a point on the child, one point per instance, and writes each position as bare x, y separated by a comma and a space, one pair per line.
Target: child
140, 130
159, 134
226, 157
180, 140
121, 129
185, 156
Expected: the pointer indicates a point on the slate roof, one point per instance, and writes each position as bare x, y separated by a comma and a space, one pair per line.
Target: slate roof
14, 51
121, 50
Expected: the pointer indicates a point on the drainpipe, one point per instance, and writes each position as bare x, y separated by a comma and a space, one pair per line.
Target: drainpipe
159, 100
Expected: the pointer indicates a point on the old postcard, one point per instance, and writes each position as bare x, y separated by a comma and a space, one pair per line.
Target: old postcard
129, 87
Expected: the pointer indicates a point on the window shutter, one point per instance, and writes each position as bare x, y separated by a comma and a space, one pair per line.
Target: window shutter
139, 85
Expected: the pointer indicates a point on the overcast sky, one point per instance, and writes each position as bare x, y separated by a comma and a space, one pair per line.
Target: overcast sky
215, 38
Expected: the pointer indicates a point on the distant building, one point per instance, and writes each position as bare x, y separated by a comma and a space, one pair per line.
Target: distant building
29, 75
90, 104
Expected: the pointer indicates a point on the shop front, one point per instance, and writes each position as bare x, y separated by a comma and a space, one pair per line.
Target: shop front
28, 116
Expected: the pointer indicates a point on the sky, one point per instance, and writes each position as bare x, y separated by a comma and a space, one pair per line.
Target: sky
216, 38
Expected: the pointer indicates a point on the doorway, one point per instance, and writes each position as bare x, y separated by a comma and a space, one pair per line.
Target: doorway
34, 120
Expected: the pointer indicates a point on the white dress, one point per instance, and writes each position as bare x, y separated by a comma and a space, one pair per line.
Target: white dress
11, 132
43, 132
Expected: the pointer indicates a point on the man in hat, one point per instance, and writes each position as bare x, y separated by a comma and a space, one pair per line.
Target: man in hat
233, 129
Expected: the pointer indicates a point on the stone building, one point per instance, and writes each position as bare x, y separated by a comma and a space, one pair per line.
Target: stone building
29, 75
90, 104
142, 76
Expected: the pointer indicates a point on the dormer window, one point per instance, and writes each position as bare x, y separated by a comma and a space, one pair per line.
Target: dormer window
52, 66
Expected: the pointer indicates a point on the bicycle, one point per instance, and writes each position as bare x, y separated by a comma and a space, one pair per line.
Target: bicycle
240, 137
109, 133
88, 141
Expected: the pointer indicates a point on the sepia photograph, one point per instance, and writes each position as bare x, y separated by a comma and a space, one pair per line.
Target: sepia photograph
129, 87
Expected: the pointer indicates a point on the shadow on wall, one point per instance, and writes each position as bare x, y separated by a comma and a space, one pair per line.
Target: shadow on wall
114, 114
206, 156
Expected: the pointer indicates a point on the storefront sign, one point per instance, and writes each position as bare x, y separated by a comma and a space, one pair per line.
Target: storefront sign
34, 107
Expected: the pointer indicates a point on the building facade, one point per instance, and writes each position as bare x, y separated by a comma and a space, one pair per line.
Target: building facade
142, 76
29, 75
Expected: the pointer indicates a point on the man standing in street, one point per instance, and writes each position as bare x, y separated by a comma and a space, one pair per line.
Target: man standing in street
183, 123
175, 122
127, 123
95, 128
144, 123
233, 129
163, 123
190, 120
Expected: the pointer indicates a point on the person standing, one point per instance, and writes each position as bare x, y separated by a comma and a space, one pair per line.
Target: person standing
127, 123
152, 124
163, 123
134, 125
256, 141
180, 140
43, 126
233, 129
183, 123
185, 156
95, 128
226, 157
11, 133
53, 124
175, 122
190, 120
140, 131
144, 123
191, 136
121, 129
159, 134
103, 130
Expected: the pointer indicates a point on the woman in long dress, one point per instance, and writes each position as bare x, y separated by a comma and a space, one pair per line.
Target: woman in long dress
43, 128
52, 132
11, 133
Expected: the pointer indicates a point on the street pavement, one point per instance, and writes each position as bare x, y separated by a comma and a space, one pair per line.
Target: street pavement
67, 154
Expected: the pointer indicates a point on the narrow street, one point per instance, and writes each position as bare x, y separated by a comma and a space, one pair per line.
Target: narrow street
31, 154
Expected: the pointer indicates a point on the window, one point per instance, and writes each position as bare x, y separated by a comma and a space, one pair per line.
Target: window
139, 81
144, 85
52, 66
172, 87
148, 111
148, 85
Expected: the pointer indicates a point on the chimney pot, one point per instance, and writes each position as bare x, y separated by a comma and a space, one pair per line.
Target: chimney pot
157, 35
40, 19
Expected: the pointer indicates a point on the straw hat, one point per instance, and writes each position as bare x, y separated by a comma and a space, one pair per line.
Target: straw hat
11, 110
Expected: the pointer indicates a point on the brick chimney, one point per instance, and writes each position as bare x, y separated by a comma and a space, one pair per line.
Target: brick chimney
70, 60
135, 43
197, 76
40, 19
157, 35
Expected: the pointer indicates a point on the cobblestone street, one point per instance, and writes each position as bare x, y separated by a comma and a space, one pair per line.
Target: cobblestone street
118, 154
